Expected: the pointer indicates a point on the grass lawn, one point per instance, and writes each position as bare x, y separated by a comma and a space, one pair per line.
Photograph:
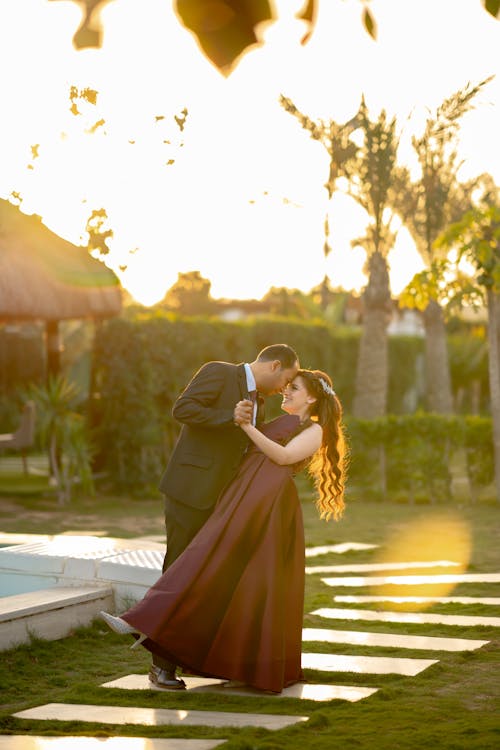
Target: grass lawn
454, 704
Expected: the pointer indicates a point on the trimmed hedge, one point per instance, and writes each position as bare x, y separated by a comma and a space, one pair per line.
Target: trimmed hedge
479, 453
335, 349
142, 360
412, 458
141, 364
403, 457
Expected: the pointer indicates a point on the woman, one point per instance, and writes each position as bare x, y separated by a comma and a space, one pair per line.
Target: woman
231, 605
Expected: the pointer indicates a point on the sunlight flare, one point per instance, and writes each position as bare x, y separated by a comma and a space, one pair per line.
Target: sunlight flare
434, 537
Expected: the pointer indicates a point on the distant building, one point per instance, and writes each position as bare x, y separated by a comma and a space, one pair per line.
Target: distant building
238, 309
406, 322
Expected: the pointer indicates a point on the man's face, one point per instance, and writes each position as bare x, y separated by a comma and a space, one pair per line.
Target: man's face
276, 378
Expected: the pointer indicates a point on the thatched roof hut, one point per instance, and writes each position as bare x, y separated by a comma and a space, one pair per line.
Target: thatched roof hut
46, 278
43, 277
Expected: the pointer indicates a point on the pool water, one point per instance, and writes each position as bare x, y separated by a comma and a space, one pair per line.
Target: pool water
23, 583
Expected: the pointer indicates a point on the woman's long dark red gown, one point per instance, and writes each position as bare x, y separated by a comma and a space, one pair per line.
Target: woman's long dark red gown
231, 605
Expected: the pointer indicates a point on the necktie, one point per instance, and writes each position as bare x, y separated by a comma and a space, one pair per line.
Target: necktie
252, 395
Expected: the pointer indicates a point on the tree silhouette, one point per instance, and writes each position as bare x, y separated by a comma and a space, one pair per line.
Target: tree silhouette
427, 204
190, 295
98, 234
370, 184
336, 139
476, 237
225, 31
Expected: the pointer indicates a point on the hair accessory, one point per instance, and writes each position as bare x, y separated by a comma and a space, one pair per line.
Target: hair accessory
327, 389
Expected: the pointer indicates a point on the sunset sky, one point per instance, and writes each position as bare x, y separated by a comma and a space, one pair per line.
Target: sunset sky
243, 201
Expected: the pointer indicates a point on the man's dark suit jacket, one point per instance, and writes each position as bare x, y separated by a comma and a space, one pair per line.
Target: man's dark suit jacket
210, 447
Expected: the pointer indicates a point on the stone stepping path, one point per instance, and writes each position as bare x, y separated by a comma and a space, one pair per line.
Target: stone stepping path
338, 549
412, 580
378, 665
156, 716
417, 618
32, 742
360, 599
374, 567
303, 690
390, 640
365, 664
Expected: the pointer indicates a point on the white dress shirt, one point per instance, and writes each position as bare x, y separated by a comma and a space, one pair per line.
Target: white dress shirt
251, 386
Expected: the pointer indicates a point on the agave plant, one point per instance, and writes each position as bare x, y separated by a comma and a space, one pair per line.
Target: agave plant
63, 431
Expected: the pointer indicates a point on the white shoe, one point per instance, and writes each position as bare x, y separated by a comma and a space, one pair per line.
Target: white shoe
117, 624
122, 627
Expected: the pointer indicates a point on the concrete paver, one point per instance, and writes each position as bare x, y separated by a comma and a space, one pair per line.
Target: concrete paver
32, 742
361, 599
365, 664
303, 690
155, 716
391, 640
416, 618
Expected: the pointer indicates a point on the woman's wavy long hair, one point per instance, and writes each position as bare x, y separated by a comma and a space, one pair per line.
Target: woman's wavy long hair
328, 466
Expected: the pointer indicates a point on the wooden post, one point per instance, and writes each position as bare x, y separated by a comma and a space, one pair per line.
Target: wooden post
53, 347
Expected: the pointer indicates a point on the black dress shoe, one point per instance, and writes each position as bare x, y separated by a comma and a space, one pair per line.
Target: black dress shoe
165, 679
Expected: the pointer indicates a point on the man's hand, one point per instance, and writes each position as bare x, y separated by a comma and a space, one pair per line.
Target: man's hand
243, 412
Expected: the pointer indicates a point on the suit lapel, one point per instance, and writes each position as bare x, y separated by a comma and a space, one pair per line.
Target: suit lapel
242, 381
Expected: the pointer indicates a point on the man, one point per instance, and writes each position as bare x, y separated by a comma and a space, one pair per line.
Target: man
210, 448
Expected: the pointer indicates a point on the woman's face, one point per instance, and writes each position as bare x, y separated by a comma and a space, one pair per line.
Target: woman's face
296, 399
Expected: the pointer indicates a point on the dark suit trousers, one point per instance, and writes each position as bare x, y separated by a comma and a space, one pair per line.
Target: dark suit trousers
182, 523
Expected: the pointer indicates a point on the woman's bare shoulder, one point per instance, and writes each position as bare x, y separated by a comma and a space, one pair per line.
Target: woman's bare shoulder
315, 428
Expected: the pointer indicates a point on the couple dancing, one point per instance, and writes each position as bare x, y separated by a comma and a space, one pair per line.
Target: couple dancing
230, 601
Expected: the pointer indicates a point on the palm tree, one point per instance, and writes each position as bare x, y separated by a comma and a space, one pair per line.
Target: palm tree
370, 184
427, 205
341, 151
477, 238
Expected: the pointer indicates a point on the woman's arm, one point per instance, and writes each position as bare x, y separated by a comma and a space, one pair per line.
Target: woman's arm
300, 447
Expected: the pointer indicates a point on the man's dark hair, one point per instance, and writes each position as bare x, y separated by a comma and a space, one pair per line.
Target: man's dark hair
284, 353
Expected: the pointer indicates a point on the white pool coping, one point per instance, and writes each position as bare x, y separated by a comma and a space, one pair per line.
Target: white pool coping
129, 566
80, 573
38, 614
